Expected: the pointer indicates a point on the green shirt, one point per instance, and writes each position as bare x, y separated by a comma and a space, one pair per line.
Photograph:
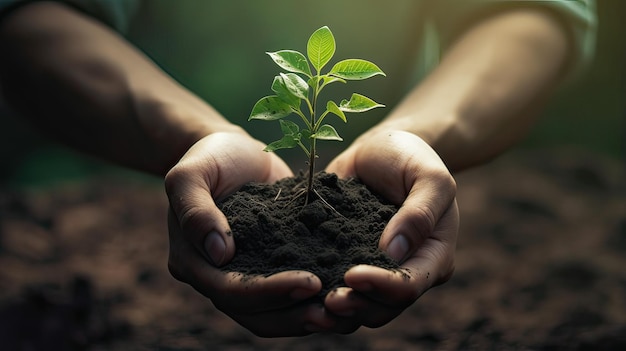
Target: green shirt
217, 48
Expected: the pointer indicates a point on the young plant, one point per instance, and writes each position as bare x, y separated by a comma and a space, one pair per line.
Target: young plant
291, 90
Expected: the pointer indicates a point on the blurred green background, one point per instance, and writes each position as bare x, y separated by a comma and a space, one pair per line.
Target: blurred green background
589, 113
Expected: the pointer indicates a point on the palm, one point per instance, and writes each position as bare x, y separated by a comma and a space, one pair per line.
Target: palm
404, 169
214, 167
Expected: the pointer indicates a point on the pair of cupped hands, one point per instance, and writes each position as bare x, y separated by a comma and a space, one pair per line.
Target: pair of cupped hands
421, 236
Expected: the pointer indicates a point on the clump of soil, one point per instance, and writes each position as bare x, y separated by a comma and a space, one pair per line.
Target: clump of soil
274, 230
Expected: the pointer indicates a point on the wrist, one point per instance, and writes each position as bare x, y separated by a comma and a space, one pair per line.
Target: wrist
436, 129
173, 125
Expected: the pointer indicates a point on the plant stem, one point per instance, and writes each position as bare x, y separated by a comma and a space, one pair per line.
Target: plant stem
309, 187
312, 151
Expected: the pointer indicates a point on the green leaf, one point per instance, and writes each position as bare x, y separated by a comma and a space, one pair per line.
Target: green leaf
292, 61
270, 108
355, 69
327, 132
328, 79
313, 81
278, 86
296, 85
321, 47
286, 142
332, 107
289, 128
290, 139
306, 134
358, 103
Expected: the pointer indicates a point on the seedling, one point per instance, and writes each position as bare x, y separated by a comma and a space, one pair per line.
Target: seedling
291, 90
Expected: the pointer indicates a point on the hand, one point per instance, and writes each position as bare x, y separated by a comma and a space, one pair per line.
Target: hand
201, 241
421, 236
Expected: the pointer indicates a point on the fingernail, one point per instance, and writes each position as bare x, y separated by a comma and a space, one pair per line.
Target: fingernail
398, 248
215, 247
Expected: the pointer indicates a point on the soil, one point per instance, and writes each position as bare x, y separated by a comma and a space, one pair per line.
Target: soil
539, 266
276, 229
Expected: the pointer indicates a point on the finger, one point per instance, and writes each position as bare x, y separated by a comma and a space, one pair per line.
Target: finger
417, 219
343, 164
358, 309
232, 291
299, 320
431, 191
278, 170
210, 169
252, 294
432, 263
405, 170
394, 164
194, 212
397, 288
226, 161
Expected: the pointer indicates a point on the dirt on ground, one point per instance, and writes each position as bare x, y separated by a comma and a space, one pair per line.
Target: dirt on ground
540, 265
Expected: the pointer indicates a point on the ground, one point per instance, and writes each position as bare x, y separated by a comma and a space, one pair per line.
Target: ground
539, 266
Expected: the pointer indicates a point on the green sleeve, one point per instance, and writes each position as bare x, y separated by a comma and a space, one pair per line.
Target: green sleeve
115, 13
444, 20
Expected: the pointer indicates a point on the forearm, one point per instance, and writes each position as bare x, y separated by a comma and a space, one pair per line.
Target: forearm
486, 93
85, 85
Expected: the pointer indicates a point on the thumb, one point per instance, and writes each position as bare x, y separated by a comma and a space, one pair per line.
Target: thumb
200, 220
343, 165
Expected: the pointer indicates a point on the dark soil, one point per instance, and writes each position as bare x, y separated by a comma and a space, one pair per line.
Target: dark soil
539, 266
275, 231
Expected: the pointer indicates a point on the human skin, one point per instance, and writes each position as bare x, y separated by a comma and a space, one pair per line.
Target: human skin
110, 100
481, 99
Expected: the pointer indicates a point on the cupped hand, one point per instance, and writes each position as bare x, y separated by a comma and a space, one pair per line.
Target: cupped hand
201, 241
421, 236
